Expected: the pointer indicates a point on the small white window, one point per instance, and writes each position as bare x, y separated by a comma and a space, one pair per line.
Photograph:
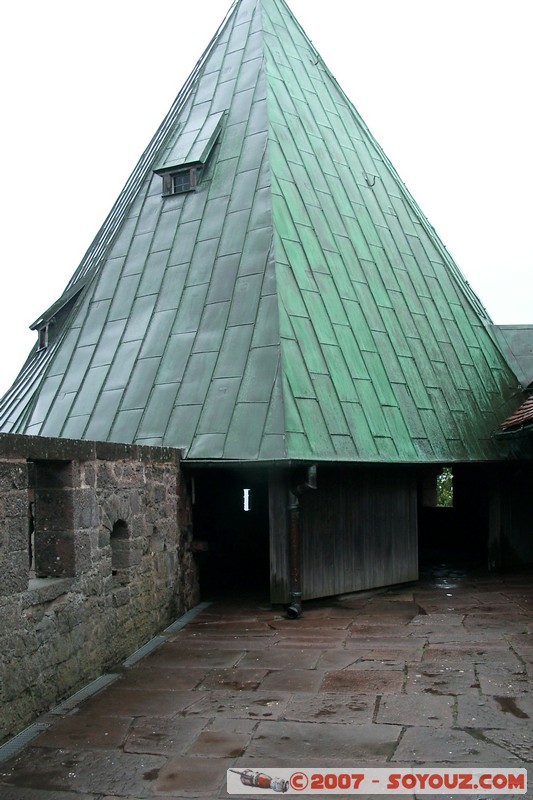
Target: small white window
246, 499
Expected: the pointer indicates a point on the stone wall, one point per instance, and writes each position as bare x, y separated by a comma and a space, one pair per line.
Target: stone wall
95, 559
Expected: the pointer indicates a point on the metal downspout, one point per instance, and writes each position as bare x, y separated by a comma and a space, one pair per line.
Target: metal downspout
294, 609
295, 587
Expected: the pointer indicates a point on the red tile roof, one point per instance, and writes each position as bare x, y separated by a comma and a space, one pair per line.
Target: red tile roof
522, 416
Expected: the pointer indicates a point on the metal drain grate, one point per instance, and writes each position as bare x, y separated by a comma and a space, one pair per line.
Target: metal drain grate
159, 640
143, 651
18, 742
187, 617
83, 694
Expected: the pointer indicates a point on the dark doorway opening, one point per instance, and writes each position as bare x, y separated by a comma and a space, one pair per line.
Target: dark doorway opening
446, 536
455, 534
231, 533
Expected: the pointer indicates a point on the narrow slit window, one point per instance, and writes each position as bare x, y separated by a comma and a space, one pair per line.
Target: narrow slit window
246, 499
120, 551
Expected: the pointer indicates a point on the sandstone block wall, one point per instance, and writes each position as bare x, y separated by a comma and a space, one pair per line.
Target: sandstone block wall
95, 559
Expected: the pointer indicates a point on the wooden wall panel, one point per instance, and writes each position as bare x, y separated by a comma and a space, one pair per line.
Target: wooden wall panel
516, 515
358, 531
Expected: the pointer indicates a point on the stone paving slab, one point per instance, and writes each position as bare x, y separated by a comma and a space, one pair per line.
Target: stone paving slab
220, 744
213, 642
493, 598
389, 607
450, 607
21, 793
87, 771
331, 707
175, 655
230, 617
428, 710
363, 681
412, 652
226, 628
171, 680
470, 653
486, 622
517, 742
78, 732
297, 634
308, 642
241, 705
522, 643
339, 659
496, 680
192, 777
366, 663
449, 747
283, 658
390, 620
385, 640
367, 631
134, 703
487, 711
237, 678
228, 725
293, 680
373, 743
163, 736
325, 624
440, 679
460, 636
507, 609
430, 622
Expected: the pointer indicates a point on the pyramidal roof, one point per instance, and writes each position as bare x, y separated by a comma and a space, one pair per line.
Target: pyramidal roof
292, 303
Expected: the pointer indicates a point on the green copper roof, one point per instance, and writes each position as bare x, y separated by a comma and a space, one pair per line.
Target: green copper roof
295, 305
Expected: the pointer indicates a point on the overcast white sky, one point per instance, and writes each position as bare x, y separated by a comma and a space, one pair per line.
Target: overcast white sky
444, 85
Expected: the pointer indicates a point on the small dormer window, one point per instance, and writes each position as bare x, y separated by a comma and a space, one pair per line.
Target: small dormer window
182, 165
181, 180
50, 323
42, 342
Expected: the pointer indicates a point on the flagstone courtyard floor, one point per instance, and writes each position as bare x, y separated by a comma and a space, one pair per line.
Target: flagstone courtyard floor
434, 673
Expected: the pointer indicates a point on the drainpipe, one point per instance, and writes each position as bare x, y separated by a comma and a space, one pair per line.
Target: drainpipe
294, 609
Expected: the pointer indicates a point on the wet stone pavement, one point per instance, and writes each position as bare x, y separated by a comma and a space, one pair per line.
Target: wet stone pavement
433, 673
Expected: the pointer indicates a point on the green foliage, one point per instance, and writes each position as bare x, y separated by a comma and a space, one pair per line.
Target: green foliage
445, 488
